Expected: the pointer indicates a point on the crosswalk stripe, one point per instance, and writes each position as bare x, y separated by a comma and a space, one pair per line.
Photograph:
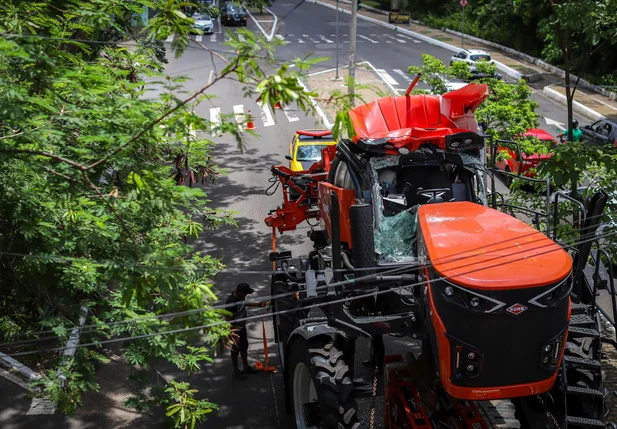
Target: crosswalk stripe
266, 115
408, 38
325, 39
170, 38
394, 38
402, 74
215, 120
213, 38
386, 76
199, 38
239, 115
278, 36
291, 117
370, 40
306, 36
301, 41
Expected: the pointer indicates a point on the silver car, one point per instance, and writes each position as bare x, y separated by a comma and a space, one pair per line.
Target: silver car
203, 23
471, 56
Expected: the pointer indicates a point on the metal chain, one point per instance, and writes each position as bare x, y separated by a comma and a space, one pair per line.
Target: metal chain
372, 421
548, 413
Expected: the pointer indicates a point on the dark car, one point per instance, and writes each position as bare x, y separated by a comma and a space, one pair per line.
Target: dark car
601, 132
232, 14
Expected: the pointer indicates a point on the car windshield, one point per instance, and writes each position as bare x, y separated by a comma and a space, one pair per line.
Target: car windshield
233, 8
480, 58
309, 153
201, 18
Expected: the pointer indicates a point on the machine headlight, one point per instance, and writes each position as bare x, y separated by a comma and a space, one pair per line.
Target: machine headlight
554, 295
472, 300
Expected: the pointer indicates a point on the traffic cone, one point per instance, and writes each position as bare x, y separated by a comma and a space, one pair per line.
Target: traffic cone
277, 105
249, 124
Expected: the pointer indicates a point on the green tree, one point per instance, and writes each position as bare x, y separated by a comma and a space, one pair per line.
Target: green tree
91, 216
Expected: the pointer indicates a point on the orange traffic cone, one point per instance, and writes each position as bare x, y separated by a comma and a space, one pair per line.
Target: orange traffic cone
277, 105
249, 124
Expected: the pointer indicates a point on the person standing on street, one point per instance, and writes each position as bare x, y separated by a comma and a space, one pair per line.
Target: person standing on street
240, 340
577, 134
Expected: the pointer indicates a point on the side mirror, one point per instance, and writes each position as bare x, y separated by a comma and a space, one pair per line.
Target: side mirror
288, 157
587, 127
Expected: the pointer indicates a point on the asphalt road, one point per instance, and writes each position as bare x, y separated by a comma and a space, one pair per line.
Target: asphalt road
256, 402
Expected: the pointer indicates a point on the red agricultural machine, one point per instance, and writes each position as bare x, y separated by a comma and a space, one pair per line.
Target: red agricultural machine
497, 324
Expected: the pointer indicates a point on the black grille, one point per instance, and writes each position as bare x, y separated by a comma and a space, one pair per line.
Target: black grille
509, 345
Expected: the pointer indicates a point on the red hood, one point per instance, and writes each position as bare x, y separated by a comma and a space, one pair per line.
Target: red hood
540, 134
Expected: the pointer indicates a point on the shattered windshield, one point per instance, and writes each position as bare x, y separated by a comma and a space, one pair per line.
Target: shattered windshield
310, 153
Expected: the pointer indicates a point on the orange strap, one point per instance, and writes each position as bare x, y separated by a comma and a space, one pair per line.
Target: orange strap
264, 366
273, 247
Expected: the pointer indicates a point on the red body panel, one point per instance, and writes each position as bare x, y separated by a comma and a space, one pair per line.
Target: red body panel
314, 133
346, 198
529, 161
411, 121
483, 248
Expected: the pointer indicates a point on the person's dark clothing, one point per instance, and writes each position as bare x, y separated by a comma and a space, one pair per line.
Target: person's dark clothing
239, 312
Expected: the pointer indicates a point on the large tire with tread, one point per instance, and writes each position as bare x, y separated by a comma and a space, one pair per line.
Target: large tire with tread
332, 381
286, 300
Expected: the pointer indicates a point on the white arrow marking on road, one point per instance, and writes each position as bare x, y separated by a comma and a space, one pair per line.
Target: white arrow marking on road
386, 76
301, 41
306, 36
266, 115
215, 121
403, 74
550, 122
325, 39
394, 38
291, 117
278, 36
213, 38
170, 38
239, 115
370, 40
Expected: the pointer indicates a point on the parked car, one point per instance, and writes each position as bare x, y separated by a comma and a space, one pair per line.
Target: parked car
203, 23
601, 132
232, 14
305, 148
513, 164
472, 57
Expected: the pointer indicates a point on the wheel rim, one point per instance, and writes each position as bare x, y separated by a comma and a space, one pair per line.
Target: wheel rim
303, 392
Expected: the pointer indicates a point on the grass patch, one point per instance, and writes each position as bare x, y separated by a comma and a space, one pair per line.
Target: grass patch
372, 3
442, 38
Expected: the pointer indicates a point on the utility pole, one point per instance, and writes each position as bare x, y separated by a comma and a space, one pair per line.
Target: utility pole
352, 48
337, 42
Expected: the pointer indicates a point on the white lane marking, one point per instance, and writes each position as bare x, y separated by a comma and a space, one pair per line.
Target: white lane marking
291, 117
227, 38
210, 77
301, 41
266, 115
394, 38
403, 74
408, 38
239, 115
215, 121
306, 36
170, 38
386, 76
199, 38
220, 25
325, 39
213, 38
281, 38
370, 40
241, 38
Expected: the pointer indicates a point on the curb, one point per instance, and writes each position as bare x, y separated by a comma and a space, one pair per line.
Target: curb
579, 108
500, 66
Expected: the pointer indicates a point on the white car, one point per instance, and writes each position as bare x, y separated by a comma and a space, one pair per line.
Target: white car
203, 23
471, 56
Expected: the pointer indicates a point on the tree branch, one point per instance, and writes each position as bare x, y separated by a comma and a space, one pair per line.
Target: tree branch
157, 120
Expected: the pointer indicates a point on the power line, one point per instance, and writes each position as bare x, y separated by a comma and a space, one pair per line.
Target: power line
352, 281
262, 316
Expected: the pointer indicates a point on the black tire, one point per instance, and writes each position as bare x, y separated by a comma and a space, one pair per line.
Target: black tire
285, 323
331, 378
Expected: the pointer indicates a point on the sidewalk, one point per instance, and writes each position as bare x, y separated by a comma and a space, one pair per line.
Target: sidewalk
587, 103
